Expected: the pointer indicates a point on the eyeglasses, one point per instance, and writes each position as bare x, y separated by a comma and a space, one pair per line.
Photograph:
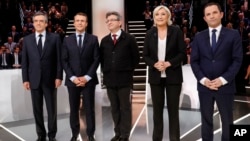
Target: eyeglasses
111, 20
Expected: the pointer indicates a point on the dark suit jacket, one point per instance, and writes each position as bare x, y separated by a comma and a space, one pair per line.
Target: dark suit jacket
8, 58
45, 68
19, 58
16, 36
224, 62
119, 61
80, 61
175, 54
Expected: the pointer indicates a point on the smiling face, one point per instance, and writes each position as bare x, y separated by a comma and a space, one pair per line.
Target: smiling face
80, 23
113, 23
161, 16
213, 16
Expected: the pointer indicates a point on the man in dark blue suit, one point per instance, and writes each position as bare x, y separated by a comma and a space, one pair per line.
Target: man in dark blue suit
42, 74
80, 58
216, 57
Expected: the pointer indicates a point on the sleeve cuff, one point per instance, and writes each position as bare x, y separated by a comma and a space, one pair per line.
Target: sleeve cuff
72, 78
87, 77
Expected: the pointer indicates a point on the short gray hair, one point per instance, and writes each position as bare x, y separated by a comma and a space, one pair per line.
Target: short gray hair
41, 14
119, 17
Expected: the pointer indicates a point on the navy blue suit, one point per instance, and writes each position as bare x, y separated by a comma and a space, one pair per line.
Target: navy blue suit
41, 71
224, 62
80, 62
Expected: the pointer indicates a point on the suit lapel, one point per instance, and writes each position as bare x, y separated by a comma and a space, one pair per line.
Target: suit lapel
207, 45
75, 44
155, 41
169, 33
85, 42
46, 43
220, 39
34, 44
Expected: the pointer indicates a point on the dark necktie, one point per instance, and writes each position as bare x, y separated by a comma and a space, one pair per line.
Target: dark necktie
80, 41
114, 38
213, 39
40, 45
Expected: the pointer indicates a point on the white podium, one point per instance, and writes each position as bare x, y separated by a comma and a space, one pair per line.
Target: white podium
15, 102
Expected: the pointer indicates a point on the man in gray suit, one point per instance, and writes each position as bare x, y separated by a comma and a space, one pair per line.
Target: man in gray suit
42, 74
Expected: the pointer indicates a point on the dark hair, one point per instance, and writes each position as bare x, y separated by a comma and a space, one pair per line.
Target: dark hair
119, 17
211, 4
82, 14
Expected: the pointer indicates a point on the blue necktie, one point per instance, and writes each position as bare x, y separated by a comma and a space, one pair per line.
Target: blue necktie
213, 39
80, 41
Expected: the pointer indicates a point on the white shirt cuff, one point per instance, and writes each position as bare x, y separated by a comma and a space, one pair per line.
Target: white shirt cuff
224, 81
72, 78
87, 78
202, 81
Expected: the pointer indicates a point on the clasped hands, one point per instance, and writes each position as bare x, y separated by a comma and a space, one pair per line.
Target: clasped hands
162, 65
213, 84
80, 81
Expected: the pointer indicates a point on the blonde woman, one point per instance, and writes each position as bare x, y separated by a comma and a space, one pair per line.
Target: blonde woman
164, 52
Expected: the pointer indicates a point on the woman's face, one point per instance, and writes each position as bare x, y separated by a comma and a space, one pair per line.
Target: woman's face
161, 17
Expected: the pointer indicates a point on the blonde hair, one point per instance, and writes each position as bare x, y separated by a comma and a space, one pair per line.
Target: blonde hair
166, 9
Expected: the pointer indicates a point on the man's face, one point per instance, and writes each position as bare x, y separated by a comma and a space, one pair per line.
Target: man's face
3, 49
39, 23
213, 16
80, 23
113, 23
10, 40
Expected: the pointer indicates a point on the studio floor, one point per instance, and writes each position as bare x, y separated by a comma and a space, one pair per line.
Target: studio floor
142, 123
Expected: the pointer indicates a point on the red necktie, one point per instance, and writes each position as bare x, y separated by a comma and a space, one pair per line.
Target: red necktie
114, 38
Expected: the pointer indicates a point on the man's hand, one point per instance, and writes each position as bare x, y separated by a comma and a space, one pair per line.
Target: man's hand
58, 83
83, 81
76, 81
217, 83
26, 85
208, 83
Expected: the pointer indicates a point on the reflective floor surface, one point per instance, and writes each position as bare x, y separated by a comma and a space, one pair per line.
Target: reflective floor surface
142, 120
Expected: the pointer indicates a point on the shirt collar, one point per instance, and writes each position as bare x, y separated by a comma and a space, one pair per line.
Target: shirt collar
37, 34
77, 33
218, 28
118, 33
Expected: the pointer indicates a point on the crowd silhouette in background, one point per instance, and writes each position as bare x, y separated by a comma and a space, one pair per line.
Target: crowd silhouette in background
236, 16
11, 45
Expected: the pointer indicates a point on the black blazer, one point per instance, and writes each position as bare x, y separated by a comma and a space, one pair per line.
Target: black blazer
45, 67
80, 61
16, 36
19, 58
8, 58
175, 54
119, 61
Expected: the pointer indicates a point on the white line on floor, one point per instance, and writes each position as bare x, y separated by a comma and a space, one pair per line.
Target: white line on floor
12, 133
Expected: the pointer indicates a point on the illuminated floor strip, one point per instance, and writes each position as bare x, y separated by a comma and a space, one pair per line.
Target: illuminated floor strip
11, 133
236, 121
243, 101
191, 130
